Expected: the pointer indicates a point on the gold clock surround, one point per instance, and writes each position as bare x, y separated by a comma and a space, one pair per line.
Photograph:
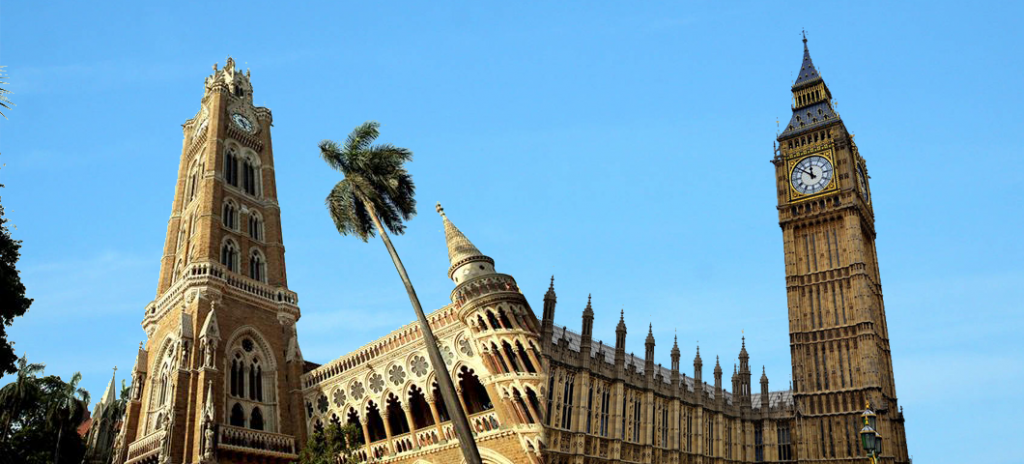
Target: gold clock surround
828, 152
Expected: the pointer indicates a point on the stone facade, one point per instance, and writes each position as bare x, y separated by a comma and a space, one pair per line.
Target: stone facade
607, 406
221, 376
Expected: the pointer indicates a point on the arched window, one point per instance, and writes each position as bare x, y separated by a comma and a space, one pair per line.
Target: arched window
421, 415
250, 382
473, 392
396, 416
255, 226
231, 167
237, 416
229, 255
249, 179
229, 215
374, 422
442, 409
257, 266
256, 419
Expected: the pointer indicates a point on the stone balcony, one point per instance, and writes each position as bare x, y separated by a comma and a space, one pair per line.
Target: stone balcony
146, 448
256, 442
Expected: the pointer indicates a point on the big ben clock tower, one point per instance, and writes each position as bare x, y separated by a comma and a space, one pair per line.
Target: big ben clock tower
218, 377
838, 335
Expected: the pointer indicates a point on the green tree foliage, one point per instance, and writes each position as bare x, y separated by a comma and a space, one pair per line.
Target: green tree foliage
41, 416
4, 102
333, 445
12, 292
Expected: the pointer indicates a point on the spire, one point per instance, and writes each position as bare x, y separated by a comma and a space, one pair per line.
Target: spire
649, 347
764, 376
718, 368
743, 348
696, 359
650, 334
620, 333
461, 251
588, 320
548, 318
807, 72
109, 395
208, 408
675, 354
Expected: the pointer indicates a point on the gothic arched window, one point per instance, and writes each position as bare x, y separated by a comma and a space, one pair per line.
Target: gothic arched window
229, 215
231, 167
249, 177
257, 266
237, 416
250, 383
229, 255
255, 226
256, 419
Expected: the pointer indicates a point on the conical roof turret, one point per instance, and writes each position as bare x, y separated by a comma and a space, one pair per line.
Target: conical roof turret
462, 252
650, 334
675, 347
764, 376
718, 368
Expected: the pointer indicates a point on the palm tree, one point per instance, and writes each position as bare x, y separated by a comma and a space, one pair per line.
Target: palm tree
376, 196
15, 395
4, 102
68, 405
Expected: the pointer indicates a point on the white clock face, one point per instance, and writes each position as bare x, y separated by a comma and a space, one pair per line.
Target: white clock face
812, 175
242, 121
862, 179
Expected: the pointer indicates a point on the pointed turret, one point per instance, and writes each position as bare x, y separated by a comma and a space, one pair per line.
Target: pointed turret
743, 375
698, 367
620, 339
466, 260
718, 380
649, 345
764, 388
588, 320
675, 353
547, 324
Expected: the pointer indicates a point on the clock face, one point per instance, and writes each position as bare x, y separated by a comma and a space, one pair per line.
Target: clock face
811, 175
242, 121
862, 179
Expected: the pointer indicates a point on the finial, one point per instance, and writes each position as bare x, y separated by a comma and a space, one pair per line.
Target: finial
650, 328
743, 342
440, 211
762, 370
140, 345
552, 276
622, 315
804, 32
588, 300
115, 370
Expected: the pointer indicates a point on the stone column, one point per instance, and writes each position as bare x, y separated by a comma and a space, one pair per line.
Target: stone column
437, 417
412, 425
387, 430
366, 435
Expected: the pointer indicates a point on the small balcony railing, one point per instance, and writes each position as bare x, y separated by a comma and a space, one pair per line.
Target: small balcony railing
145, 447
257, 442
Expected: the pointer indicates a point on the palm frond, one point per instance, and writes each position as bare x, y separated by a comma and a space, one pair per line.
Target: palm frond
348, 212
362, 136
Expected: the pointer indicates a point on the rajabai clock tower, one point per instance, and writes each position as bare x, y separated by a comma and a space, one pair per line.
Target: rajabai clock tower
218, 377
838, 335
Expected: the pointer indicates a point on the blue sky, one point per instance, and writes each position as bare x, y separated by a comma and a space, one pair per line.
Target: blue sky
622, 147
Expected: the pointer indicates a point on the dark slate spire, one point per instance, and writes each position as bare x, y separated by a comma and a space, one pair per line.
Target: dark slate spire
808, 72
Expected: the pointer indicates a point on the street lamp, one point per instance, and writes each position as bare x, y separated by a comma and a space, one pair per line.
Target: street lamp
870, 439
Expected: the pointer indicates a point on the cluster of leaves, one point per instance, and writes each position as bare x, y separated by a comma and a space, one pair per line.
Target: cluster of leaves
13, 302
39, 417
333, 445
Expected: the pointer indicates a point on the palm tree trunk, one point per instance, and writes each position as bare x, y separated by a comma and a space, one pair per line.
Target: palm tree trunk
60, 433
444, 379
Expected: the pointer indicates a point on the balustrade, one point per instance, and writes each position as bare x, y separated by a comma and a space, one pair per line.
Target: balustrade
145, 447
257, 442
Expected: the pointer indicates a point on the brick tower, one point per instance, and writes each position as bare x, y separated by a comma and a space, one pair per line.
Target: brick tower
218, 378
838, 335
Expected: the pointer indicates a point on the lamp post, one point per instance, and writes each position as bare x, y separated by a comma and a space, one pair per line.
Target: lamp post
870, 439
